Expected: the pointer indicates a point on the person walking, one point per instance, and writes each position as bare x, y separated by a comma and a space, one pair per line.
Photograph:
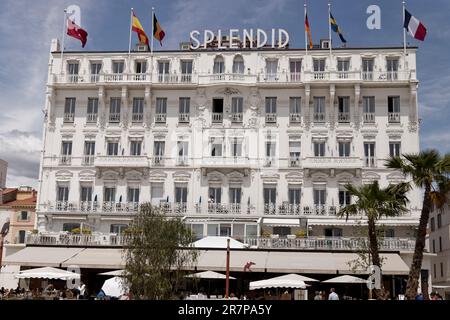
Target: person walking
333, 295
318, 296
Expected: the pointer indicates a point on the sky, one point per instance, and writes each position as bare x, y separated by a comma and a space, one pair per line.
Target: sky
27, 27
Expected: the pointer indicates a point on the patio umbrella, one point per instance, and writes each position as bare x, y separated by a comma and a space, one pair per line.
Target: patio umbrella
116, 273
345, 279
114, 287
47, 273
289, 281
208, 275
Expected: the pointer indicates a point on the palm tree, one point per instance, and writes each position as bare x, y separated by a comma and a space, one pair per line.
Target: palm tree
429, 171
376, 203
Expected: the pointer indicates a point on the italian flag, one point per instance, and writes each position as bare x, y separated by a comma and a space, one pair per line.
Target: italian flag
414, 26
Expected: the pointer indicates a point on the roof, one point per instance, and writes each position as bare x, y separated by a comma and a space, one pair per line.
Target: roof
22, 203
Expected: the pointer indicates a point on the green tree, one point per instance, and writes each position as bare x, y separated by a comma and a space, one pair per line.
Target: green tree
429, 171
157, 254
375, 203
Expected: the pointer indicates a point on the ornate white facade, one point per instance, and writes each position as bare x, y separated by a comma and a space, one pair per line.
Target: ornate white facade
237, 142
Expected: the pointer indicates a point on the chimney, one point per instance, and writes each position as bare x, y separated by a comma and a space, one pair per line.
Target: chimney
55, 46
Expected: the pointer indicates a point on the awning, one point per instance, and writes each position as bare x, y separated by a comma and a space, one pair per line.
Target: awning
270, 222
47, 273
359, 222
41, 256
97, 259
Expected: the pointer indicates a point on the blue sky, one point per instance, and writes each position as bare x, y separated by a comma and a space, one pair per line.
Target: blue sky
27, 27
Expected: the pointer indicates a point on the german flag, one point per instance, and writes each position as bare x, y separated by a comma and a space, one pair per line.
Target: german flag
158, 32
308, 31
137, 27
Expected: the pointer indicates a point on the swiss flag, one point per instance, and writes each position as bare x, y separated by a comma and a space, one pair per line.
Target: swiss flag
76, 32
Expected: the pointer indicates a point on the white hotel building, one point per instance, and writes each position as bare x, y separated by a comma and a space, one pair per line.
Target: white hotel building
256, 144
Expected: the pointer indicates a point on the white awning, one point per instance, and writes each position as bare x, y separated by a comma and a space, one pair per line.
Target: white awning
281, 222
41, 256
218, 242
47, 273
97, 259
359, 222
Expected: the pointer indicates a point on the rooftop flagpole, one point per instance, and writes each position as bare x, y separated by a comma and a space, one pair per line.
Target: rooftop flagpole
153, 31
131, 35
404, 30
329, 29
63, 39
306, 31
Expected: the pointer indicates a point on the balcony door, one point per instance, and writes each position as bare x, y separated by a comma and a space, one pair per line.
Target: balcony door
181, 194
271, 69
215, 195
235, 195
369, 154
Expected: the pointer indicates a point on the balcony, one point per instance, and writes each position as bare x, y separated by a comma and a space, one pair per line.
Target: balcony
294, 162
226, 78
225, 162
369, 117
88, 160
137, 117
319, 117
295, 77
271, 118
237, 117
173, 78
114, 117
394, 117
182, 161
65, 160
295, 118
332, 163
344, 117
121, 161
91, 118
217, 117
370, 162
184, 118
69, 117
158, 161
160, 118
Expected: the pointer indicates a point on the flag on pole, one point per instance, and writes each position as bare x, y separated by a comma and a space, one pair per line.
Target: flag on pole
158, 32
308, 31
414, 26
137, 27
336, 28
76, 32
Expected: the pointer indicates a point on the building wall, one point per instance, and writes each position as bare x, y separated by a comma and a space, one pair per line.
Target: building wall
3, 171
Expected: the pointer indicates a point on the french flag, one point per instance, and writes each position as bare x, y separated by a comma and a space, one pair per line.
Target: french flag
414, 26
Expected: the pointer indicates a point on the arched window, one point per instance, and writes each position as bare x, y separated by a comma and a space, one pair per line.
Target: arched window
238, 65
219, 65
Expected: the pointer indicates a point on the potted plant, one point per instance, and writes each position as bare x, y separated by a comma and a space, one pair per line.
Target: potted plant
86, 231
266, 234
301, 234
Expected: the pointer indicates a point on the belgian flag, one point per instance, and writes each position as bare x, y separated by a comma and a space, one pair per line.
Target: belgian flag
158, 32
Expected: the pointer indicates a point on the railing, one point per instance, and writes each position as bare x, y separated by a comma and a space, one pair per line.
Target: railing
294, 162
344, 117
160, 118
94, 78
73, 78
91, 118
394, 117
184, 117
367, 75
121, 161
65, 160
237, 117
271, 117
332, 162
295, 76
319, 117
158, 161
217, 117
88, 160
226, 77
182, 161
369, 117
295, 118
137, 117
114, 117
225, 161
370, 162
69, 117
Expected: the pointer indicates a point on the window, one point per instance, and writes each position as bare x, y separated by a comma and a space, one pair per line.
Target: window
238, 65
89, 152
135, 148
271, 69
392, 68
21, 236
157, 193
369, 109
183, 152
237, 109
114, 110
235, 195
96, 67
295, 68
369, 154
394, 109
184, 109
138, 110
186, 71
118, 67
440, 244
133, 195
394, 149
72, 70
141, 67
270, 195
319, 149
282, 231
344, 198
442, 269
294, 194
432, 224
320, 196
270, 150
219, 65
118, 228
161, 110
271, 110
215, 195
159, 148
62, 194
86, 193
181, 194
319, 69
319, 109
434, 246
333, 232
217, 111
23, 216
236, 147
434, 270
295, 109
92, 110
197, 229
389, 233
344, 109
294, 153
68, 227
439, 221
344, 148
112, 148
367, 69
69, 110
110, 194
163, 71
66, 153
343, 68
216, 147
